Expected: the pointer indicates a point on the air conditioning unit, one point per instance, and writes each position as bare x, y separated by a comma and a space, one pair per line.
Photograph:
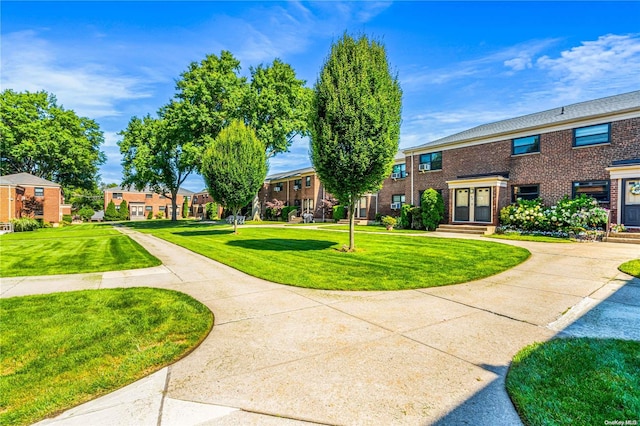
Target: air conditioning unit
396, 206
424, 167
395, 176
296, 187
277, 189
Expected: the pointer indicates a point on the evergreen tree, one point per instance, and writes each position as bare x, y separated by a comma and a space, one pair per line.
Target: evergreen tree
124, 210
185, 207
111, 213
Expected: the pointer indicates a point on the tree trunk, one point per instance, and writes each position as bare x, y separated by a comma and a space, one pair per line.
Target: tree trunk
235, 220
174, 205
352, 215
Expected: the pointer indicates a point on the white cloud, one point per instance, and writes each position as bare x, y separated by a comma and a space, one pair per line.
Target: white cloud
91, 89
520, 63
612, 62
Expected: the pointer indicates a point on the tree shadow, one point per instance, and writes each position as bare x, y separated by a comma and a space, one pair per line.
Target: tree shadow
203, 233
282, 244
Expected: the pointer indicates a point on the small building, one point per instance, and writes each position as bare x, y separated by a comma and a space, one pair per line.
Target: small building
26, 195
143, 203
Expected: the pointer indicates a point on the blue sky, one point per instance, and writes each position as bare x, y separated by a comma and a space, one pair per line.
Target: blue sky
460, 64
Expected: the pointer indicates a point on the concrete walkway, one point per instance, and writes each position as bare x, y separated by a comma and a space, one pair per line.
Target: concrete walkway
281, 355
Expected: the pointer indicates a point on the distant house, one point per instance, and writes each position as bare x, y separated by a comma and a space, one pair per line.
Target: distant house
26, 195
143, 203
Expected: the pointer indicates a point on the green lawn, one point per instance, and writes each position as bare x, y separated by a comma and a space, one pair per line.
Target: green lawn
538, 238
371, 228
70, 250
631, 267
63, 349
313, 258
576, 381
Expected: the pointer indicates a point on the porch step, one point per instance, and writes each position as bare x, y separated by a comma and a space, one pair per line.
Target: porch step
295, 219
624, 237
467, 229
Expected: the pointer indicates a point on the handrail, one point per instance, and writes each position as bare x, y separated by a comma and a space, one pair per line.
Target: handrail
6, 227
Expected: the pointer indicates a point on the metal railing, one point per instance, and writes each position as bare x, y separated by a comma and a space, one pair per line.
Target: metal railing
6, 227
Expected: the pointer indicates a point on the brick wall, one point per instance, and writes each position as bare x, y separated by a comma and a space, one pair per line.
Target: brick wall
554, 168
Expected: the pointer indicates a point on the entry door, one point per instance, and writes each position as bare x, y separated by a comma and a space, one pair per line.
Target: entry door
461, 213
631, 206
482, 209
362, 207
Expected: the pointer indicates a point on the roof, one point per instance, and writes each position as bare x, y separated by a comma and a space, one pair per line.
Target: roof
26, 179
594, 108
291, 173
181, 191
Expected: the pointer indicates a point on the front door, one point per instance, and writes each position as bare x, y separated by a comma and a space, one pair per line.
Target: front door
482, 208
631, 202
461, 213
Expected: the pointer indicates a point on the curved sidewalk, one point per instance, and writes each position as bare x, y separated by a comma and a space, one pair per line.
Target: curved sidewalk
285, 355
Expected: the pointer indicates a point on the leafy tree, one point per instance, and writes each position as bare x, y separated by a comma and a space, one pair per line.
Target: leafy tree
85, 213
39, 137
234, 166
111, 213
277, 106
432, 207
355, 121
185, 208
157, 155
211, 210
124, 210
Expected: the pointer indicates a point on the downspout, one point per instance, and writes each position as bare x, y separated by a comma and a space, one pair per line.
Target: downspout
412, 178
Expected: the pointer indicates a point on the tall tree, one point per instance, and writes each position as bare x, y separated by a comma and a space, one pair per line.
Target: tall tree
277, 106
39, 137
158, 155
234, 166
356, 115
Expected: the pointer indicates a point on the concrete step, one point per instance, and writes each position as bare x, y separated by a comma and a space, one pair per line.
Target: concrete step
622, 240
627, 235
467, 229
295, 219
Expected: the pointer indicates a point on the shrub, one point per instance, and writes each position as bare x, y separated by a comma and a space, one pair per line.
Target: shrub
286, 210
416, 218
389, 222
211, 210
404, 221
432, 206
150, 215
85, 213
160, 215
124, 210
185, 208
25, 224
67, 218
568, 214
378, 218
111, 213
339, 212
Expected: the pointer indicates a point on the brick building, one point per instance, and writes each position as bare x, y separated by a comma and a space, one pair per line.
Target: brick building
26, 195
590, 147
141, 203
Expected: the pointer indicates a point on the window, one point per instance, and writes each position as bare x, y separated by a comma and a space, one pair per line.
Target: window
148, 208
296, 203
598, 189
525, 145
161, 208
398, 198
297, 184
148, 195
279, 187
195, 199
39, 192
431, 161
591, 135
399, 171
525, 192
117, 196
162, 197
307, 181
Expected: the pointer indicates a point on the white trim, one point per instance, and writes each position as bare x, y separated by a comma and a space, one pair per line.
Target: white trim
493, 181
631, 171
528, 131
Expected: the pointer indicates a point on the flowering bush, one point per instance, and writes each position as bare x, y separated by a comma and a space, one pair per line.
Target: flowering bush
581, 212
618, 228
